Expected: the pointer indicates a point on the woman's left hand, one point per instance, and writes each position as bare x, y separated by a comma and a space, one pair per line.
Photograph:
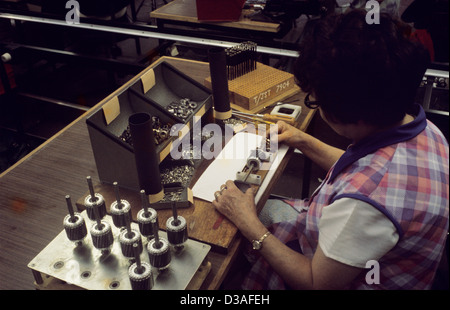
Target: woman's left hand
237, 206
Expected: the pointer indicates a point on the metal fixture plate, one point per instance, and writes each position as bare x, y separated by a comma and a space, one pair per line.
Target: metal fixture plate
254, 179
84, 265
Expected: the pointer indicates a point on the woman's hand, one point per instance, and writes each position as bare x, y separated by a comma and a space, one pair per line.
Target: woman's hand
238, 207
321, 153
287, 134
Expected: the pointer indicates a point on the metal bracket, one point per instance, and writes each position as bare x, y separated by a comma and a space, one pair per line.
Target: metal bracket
254, 179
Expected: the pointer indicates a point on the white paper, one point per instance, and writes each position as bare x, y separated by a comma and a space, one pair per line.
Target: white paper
232, 159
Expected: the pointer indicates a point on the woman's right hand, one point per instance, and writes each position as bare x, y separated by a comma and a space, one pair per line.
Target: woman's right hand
287, 134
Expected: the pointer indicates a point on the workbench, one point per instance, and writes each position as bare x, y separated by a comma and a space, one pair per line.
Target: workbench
180, 17
186, 11
32, 192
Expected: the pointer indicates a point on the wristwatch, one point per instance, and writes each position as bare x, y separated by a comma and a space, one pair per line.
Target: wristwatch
257, 244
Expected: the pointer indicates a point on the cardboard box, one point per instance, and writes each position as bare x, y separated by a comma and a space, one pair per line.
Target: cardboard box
152, 92
219, 10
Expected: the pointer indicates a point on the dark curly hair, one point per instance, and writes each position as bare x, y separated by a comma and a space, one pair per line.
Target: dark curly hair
359, 71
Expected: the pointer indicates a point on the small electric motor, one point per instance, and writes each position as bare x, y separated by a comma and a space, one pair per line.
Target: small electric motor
146, 217
177, 232
74, 224
140, 273
128, 238
120, 209
101, 233
159, 251
94, 201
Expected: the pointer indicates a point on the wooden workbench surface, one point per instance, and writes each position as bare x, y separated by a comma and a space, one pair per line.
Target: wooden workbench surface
32, 203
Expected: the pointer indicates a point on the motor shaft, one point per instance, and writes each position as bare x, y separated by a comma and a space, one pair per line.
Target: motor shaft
248, 172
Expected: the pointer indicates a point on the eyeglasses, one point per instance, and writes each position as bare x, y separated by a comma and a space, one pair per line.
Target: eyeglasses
312, 104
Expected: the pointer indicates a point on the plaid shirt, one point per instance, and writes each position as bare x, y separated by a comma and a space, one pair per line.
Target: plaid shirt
404, 173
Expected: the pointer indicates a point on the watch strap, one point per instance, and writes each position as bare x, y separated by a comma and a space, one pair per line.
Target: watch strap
264, 237
260, 240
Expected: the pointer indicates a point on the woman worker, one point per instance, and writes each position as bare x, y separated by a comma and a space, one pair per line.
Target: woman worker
385, 198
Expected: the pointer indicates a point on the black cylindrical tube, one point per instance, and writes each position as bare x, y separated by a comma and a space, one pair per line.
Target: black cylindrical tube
219, 82
147, 162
